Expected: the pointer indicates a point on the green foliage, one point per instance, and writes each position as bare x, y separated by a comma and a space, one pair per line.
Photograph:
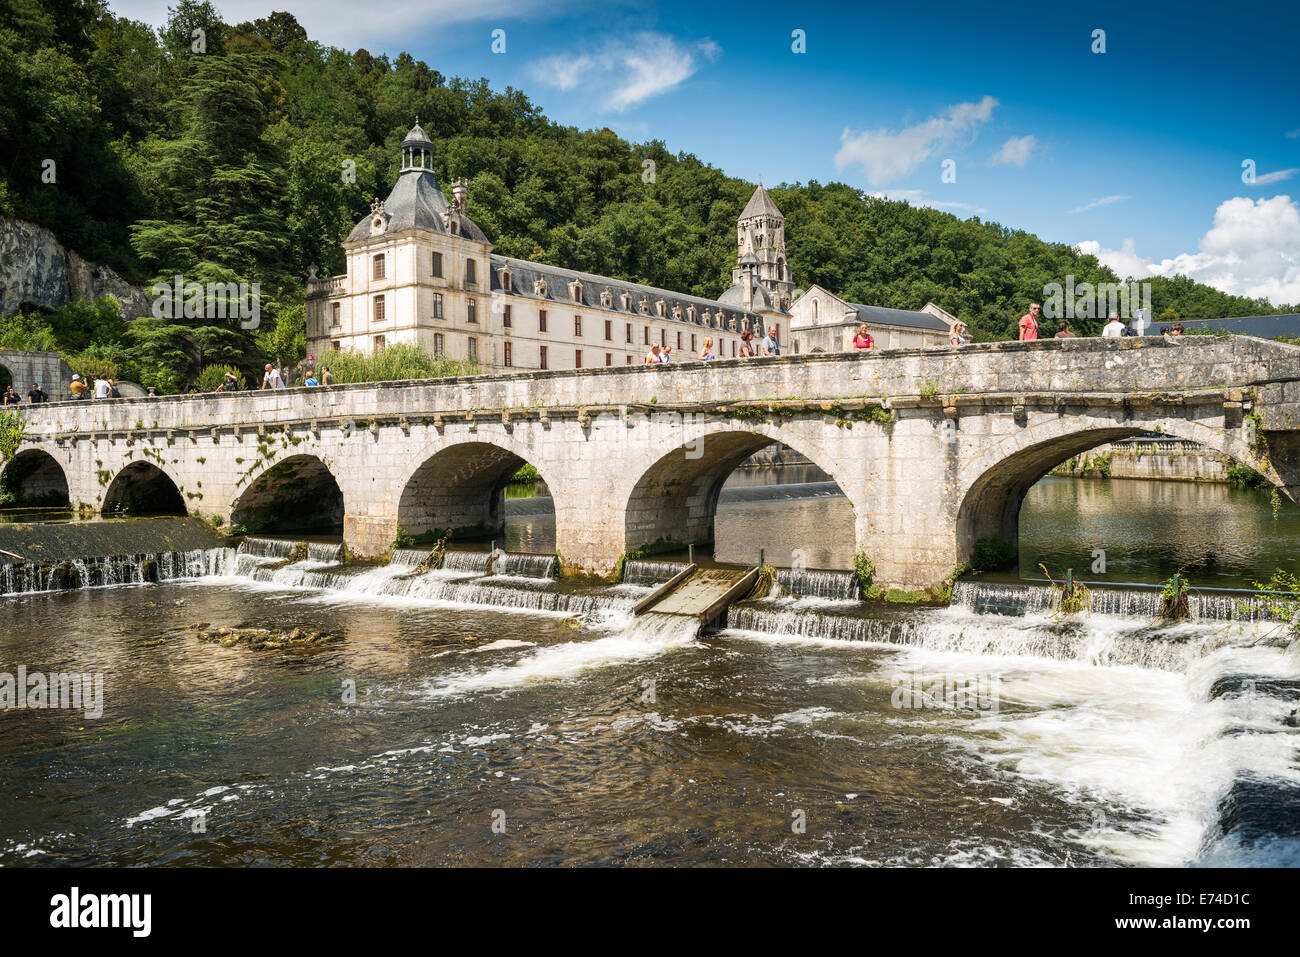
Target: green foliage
1243, 476
1072, 596
865, 570
215, 375
403, 539
11, 432
25, 331
527, 473
993, 554
1173, 599
399, 361
1280, 598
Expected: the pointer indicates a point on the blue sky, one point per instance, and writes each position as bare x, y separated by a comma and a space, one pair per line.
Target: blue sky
1135, 153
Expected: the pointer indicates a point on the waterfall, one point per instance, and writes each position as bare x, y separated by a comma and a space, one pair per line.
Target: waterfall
527, 566
267, 547
838, 586
650, 573
100, 572
329, 552
409, 557
1000, 598
476, 562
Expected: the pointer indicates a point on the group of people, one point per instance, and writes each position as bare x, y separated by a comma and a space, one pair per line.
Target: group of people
272, 379
102, 388
35, 396
769, 346
1115, 327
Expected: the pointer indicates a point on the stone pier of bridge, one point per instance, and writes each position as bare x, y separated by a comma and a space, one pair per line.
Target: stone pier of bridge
934, 448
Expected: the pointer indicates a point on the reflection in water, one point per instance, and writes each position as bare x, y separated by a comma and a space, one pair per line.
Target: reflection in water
1219, 536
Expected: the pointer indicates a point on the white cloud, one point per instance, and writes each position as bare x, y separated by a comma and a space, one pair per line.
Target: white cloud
1016, 151
887, 155
1276, 176
920, 197
349, 25
628, 72
1103, 201
1253, 249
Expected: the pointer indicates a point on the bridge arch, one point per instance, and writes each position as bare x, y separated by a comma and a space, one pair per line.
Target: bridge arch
460, 489
34, 478
143, 488
997, 482
298, 493
675, 497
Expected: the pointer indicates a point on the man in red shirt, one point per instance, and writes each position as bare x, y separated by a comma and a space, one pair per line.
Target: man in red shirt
1029, 323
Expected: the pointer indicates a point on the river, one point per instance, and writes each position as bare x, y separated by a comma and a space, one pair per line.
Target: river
512, 719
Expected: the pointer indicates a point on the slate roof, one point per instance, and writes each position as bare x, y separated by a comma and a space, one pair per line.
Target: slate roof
760, 204
417, 202
735, 296
523, 274
898, 317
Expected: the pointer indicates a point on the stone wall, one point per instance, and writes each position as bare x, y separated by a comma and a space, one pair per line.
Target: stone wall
46, 369
36, 270
1170, 461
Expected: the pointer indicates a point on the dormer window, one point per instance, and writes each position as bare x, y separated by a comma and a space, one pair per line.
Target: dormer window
505, 277
677, 312
606, 298
661, 308
690, 313
539, 287
575, 290
626, 299
644, 306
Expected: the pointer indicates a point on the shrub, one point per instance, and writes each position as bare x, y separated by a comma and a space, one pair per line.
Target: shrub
213, 375
865, 569
993, 554
396, 362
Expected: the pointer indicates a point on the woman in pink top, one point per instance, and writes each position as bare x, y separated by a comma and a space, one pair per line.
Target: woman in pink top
863, 339
707, 354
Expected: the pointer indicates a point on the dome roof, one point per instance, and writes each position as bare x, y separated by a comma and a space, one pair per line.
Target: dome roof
749, 259
417, 137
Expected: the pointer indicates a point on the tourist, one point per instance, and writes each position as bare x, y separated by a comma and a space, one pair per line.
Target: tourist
958, 337
78, 387
113, 392
863, 339
1114, 329
707, 354
271, 378
654, 358
1164, 330
10, 397
666, 354
326, 377
1063, 332
37, 395
102, 390
771, 347
310, 380
228, 384
1177, 329
747, 344
1029, 323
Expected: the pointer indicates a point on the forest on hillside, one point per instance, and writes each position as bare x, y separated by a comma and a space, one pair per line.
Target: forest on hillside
250, 160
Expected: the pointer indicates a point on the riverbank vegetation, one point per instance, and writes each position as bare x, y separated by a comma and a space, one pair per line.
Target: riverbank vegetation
250, 160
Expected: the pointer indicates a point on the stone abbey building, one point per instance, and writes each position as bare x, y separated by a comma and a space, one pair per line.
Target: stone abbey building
420, 271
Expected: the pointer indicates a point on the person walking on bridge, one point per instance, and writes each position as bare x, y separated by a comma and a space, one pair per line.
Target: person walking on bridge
1029, 323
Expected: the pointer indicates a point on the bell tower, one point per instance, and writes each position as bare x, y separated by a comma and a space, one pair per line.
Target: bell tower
760, 234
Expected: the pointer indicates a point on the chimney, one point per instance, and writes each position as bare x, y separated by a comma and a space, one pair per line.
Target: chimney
459, 190
748, 301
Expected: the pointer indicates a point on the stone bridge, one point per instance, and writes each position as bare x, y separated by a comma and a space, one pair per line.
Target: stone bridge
934, 448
